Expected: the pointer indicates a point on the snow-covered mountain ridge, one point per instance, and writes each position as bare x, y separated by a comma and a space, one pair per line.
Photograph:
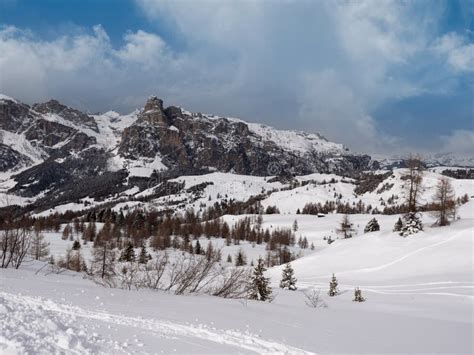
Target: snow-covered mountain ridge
49, 147
52, 154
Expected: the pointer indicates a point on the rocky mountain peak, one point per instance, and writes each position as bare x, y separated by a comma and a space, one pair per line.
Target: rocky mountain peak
154, 113
68, 113
153, 103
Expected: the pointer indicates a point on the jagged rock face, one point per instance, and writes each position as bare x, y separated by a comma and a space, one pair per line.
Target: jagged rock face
74, 155
10, 158
52, 175
153, 112
14, 115
193, 142
68, 113
51, 138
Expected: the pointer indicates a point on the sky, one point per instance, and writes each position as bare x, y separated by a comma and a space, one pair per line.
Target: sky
381, 77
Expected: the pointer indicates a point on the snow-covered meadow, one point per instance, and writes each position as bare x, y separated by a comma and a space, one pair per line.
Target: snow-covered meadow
419, 294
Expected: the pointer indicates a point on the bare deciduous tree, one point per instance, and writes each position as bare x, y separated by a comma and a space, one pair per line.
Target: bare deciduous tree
14, 245
445, 202
103, 264
346, 227
39, 247
413, 181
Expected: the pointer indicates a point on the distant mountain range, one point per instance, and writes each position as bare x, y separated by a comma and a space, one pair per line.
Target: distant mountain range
54, 154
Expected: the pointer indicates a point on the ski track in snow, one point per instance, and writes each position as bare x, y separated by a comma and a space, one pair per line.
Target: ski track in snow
410, 289
38, 325
414, 252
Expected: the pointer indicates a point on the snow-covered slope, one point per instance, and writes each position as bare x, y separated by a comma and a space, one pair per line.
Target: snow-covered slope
419, 299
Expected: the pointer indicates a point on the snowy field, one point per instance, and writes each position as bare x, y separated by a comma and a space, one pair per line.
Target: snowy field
419, 294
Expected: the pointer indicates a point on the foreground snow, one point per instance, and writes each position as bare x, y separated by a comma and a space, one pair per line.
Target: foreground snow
419, 294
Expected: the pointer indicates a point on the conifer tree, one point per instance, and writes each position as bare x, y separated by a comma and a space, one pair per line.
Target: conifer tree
144, 256
229, 258
240, 259
398, 225
76, 245
259, 285
412, 224
358, 295
372, 226
295, 225
128, 254
333, 290
288, 280
197, 248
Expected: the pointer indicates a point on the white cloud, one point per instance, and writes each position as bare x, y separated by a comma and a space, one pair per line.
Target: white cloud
85, 70
458, 52
312, 65
143, 48
460, 142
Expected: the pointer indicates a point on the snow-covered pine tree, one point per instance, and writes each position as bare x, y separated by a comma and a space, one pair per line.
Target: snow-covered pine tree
372, 226
358, 295
229, 258
288, 280
333, 290
128, 254
398, 225
259, 285
412, 224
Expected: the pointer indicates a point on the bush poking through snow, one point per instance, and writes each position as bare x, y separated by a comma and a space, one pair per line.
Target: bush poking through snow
372, 226
313, 298
358, 295
333, 290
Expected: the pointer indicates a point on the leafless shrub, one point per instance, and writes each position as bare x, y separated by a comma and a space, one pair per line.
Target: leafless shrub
154, 271
233, 284
197, 272
313, 298
128, 275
